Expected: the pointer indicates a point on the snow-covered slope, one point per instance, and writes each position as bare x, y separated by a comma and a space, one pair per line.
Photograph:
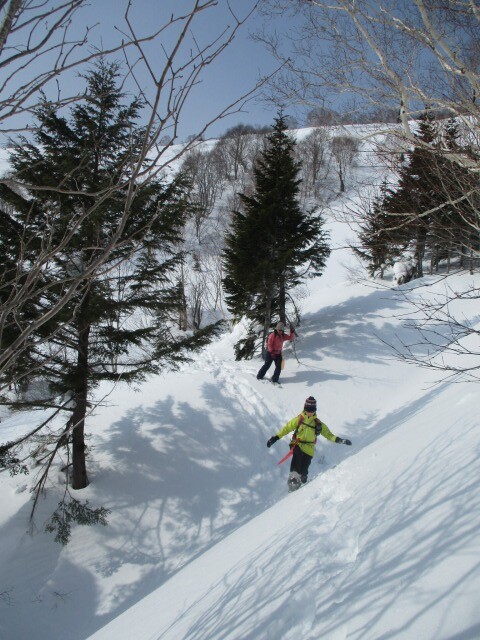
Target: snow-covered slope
384, 545
204, 543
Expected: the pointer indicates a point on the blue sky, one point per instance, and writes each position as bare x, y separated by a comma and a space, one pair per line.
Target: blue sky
232, 74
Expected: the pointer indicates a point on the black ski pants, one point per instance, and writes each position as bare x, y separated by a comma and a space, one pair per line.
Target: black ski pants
269, 358
300, 463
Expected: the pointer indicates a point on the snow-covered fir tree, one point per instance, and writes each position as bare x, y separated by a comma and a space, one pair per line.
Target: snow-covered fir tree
117, 242
273, 243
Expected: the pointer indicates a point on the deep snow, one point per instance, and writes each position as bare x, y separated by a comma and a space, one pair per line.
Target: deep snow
204, 543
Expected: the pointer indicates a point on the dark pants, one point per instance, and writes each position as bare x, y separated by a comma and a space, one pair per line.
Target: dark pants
300, 463
268, 362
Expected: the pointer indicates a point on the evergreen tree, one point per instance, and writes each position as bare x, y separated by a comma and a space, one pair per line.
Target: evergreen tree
378, 245
13, 276
430, 207
118, 239
272, 244
417, 192
455, 225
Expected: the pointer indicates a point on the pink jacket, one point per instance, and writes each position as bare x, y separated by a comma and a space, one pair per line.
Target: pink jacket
275, 342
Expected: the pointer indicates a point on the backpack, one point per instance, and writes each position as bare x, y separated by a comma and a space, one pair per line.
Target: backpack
318, 431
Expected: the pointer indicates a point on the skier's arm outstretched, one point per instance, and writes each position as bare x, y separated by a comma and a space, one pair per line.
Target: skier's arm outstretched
322, 430
326, 433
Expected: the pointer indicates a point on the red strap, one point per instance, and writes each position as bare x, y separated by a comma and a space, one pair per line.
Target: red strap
290, 453
294, 444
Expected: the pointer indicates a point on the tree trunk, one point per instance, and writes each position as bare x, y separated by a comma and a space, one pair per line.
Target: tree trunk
282, 301
421, 239
183, 311
79, 466
12, 12
266, 323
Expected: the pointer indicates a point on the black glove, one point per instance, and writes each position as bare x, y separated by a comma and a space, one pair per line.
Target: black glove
272, 440
342, 441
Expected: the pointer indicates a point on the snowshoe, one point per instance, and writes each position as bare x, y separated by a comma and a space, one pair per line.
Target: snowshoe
294, 481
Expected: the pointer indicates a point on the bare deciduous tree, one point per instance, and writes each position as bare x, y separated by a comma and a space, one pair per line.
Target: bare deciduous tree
234, 146
383, 54
405, 56
40, 51
206, 184
312, 151
33, 32
344, 151
444, 339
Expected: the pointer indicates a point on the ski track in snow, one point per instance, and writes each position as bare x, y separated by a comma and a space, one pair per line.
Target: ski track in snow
330, 538
241, 386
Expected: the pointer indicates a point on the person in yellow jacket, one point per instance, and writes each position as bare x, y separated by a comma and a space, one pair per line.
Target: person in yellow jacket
306, 427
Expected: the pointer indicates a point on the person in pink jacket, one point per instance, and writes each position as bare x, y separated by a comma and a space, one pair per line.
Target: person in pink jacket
274, 351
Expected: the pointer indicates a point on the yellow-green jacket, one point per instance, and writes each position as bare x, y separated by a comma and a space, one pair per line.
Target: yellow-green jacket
307, 432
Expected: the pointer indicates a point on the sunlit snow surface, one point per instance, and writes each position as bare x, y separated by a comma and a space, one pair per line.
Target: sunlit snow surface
203, 540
